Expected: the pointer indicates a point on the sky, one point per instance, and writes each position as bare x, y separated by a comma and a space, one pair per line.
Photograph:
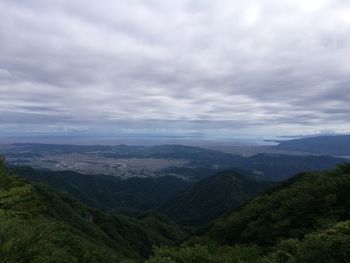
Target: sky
224, 68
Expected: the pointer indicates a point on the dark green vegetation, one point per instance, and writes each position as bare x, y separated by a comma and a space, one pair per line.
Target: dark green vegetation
210, 198
330, 145
38, 224
302, 204
306, 219
109, 193
187, 205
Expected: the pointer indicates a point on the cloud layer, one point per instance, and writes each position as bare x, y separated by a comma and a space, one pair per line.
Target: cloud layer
218, 68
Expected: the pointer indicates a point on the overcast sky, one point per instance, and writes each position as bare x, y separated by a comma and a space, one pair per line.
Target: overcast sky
175, 67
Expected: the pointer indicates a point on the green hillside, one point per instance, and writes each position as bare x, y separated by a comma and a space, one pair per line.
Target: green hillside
306, 219
38, 224
112, 194
210, 198
305, 203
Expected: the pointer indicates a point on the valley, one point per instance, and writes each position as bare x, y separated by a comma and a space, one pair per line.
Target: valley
174, 131
224, 218
94, 163
185, 162
171, 204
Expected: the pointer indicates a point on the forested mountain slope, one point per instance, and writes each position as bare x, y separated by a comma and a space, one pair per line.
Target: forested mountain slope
112, 194
304, 203
208, 199
38, 224
306, 219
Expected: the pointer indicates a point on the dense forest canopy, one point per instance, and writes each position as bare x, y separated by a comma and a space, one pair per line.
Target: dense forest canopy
39, 224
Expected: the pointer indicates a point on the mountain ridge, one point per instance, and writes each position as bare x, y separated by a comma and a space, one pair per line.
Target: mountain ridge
39, 224
337, 145
209, 198
304, 219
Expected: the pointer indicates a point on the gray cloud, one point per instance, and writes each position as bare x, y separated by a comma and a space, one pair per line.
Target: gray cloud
218, 68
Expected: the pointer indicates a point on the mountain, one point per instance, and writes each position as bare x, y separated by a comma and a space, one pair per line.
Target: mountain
38, 224
208, 199
302, 204
188, 205
279, 167
329, 145
305, 219
133, 195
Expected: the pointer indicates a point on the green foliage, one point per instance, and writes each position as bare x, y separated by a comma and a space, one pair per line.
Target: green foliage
284, 252
41, 240
38, 224
327, 246
303, 204
306, 219
211, 253
109, 193
211, 197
